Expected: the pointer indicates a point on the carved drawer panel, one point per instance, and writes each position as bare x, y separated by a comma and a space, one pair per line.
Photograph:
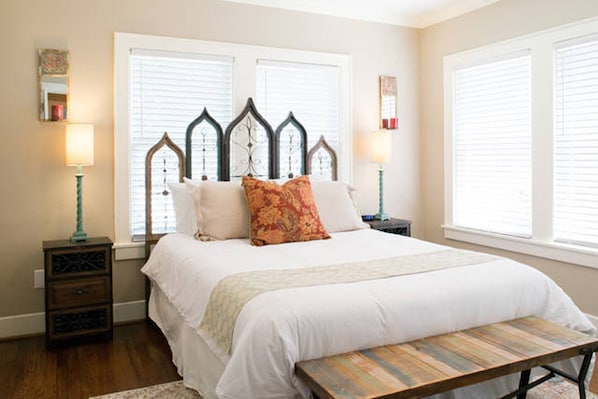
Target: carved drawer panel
71, 293
79, 321
67, 263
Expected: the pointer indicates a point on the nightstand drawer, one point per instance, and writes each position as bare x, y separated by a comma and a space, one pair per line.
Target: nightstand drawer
70, 293
82, 262
79, 322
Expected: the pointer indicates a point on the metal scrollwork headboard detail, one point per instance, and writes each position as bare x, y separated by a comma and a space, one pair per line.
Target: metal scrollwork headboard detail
291, 145
248, 140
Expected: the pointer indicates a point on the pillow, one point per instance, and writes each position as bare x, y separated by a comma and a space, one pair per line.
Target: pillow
222, 211
184, 207
284, 213
337, 209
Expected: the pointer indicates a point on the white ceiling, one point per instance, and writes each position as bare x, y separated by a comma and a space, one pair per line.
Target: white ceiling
413, 13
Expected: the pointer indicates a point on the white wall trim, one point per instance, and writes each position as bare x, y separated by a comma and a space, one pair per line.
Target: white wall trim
25, 324
34, 323
584, 256
129, 250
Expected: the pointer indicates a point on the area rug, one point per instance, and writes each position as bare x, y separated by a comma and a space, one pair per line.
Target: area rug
557, 388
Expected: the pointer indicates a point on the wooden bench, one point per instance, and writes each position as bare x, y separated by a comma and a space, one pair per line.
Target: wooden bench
449, 361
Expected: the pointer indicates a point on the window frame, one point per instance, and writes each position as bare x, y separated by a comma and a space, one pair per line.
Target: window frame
541, 46
244, 86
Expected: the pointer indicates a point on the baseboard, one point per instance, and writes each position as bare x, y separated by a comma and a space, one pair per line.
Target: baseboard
22, 325
34, 323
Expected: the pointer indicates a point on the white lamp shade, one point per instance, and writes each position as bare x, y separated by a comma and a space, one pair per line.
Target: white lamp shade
381, 144
79, 144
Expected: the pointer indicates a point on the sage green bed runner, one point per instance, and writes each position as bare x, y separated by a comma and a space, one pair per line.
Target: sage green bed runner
234, 291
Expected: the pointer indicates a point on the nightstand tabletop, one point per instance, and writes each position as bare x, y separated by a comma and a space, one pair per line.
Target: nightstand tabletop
91, 241
394, 226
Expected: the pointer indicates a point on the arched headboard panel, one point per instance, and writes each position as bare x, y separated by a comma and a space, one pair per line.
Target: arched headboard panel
208, 147
166, 157
249, 147
322, 162
291, 146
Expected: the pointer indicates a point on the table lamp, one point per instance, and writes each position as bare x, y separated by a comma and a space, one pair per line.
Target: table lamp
79, 153
381, 143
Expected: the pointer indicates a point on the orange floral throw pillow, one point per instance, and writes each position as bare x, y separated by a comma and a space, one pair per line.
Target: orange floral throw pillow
284, 213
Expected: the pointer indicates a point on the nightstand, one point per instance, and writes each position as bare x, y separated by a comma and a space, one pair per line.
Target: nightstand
78, 277
394, 226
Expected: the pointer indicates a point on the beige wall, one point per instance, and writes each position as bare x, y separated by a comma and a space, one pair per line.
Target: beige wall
500, 21
38, 190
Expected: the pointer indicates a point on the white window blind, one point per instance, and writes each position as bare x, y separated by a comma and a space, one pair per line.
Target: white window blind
168, 91
576, 142
310, 91
492, 146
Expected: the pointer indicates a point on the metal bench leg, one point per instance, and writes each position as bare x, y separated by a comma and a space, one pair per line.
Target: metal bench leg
581, 379
524, 382
525, 385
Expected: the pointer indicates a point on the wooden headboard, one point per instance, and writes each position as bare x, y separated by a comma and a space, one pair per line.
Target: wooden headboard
248, 146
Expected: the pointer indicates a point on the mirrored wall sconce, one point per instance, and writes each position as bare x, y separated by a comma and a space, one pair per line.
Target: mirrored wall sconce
388, 103
53, 74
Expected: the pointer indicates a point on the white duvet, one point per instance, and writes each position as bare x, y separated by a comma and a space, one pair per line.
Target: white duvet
277, 329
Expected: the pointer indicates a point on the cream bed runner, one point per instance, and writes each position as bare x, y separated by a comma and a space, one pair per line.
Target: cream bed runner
233, 292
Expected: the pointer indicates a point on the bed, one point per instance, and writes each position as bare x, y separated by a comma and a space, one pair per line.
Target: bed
355, 289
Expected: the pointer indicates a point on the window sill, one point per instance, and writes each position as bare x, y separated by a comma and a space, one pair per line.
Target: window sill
557, 251
129, 250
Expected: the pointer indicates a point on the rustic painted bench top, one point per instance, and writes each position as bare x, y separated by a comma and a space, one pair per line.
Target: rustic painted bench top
448, 361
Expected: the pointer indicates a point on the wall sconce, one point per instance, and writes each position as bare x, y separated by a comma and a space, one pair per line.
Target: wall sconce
381, 150
79, 153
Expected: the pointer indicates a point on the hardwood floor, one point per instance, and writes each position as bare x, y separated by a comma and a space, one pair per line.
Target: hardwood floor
138, 356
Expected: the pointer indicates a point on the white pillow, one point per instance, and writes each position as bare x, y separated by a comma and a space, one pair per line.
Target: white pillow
336, 206
222, 212
184, 207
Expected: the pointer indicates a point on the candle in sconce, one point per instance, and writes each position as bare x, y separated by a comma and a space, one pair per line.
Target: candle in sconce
57, 112
394, 123
385, 123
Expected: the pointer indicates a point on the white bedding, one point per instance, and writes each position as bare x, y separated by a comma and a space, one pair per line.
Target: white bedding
279, 328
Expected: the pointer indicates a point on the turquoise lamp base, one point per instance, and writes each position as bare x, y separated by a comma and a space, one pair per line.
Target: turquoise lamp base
381, 216
79, 236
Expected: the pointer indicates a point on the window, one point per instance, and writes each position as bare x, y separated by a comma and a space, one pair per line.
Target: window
168, 90
492, 146
521, 144
162, 84
309, 91
576, 142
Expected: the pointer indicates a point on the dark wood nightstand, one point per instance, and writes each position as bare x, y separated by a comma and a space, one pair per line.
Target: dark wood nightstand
78, 290
394, 226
